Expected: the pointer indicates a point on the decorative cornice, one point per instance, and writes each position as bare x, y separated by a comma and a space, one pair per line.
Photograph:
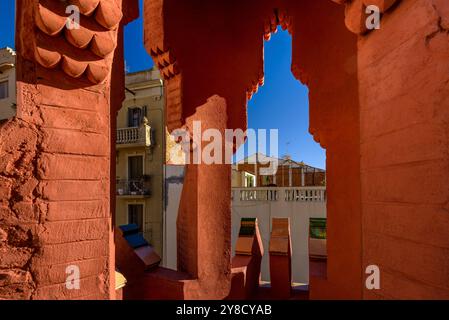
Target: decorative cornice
7, 58
82, 52
8, 50
279, 17
166, 63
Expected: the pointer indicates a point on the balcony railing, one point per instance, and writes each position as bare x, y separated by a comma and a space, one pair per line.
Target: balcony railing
133, 188
253, 194
317, 194
302, 194
134, 136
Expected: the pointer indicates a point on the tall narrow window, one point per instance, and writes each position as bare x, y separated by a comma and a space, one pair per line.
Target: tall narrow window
134, 117
4, 90
135, 175
135, 167
250, 180
135, 215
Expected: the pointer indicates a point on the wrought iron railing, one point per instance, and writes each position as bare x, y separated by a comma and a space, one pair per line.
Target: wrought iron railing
133, 188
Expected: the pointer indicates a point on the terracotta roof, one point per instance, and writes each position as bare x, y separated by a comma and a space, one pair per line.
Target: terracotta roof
264, 159
280, 236
77, 52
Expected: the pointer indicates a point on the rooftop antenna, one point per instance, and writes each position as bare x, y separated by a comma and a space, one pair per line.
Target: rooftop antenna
287, 155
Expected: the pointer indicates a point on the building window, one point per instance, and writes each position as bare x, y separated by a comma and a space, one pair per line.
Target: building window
135, 116
250, 180
135, 175
135, 167
267, 181
4, 90
135, 215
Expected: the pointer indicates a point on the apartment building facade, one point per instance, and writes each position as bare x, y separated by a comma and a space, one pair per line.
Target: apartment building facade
140, 156
7, 83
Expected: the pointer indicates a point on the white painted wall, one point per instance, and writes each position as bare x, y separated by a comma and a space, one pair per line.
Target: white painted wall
298, 204
267, 203
174, 176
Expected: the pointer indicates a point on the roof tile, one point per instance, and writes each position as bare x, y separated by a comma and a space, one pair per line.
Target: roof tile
49, 21
103, 44
108, 14
47, 58
79, 38
84, 51
72, 67
87, 7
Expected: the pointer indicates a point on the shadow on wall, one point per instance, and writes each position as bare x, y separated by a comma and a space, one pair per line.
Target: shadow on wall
174, 179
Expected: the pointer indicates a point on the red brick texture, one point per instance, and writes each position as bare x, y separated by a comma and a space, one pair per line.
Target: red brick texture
404, 114
55, 170
226, 58
378, 104
246, 267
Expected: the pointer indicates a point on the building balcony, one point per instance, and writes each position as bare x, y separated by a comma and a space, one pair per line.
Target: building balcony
133, 188
282, 194
134, 137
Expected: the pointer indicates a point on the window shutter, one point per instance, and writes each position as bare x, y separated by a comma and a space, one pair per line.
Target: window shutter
130, 117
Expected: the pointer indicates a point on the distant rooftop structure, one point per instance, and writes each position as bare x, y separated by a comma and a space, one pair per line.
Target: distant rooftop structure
285, 161
143, 76
7, 59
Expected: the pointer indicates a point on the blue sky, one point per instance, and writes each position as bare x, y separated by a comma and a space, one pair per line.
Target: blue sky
282, 103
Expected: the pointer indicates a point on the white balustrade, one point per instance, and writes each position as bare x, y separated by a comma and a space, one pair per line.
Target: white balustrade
134, 135
302, 194
306, 194
299, 204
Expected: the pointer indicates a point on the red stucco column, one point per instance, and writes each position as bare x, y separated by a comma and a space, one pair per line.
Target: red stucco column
204, 219
246, 264
55, 200
376, 137
280, 259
